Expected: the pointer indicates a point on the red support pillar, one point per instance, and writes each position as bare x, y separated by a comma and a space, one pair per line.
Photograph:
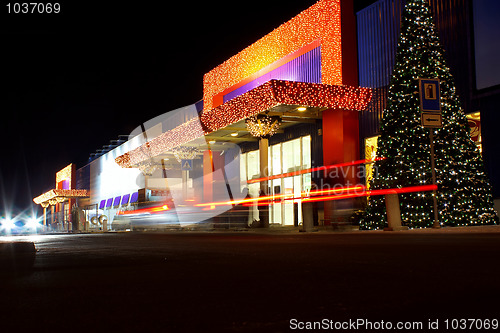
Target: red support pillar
208, 174
340, 144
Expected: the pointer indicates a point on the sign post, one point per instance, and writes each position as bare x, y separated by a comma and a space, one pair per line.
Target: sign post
186, 165
430, 107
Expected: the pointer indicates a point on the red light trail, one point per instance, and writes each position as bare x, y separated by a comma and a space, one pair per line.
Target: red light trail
319, 195
322, 168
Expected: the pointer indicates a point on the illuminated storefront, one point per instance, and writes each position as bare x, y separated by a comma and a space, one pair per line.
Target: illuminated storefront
300, 73
61, 200
283, 105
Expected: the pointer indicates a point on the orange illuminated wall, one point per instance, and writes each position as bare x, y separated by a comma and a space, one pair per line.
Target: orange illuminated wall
319, 24
64, 178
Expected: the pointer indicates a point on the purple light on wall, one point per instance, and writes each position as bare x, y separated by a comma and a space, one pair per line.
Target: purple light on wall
306, 68
65, 184
134, 197
101, 205
117, 201
125, 199
109, 202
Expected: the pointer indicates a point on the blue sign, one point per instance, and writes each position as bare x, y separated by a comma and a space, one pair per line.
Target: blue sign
186, 165
430, 95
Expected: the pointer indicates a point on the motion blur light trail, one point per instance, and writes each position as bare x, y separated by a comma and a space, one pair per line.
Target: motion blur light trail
281, 196
420, 188
310, 170
157, 209
319, 195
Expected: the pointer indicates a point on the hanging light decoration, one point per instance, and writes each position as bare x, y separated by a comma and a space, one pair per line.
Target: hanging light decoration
148, 167
263, 126
185, 153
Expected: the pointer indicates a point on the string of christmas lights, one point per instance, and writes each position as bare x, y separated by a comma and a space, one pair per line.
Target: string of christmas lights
148, 167
464, 193
56, 195
185, 153
319, 22
64, 174
253, 102
276, 92
166, 141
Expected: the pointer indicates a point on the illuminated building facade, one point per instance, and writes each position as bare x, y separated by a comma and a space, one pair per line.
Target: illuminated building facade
304, 76
289, 103
57, 202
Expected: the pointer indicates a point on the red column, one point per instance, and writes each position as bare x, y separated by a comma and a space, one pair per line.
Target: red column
208, 174
340, 144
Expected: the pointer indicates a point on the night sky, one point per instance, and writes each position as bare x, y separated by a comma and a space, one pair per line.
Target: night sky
73, 81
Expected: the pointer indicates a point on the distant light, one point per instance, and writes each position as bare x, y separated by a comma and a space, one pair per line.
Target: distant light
32, 223
212, 142
234, 134
8, 224
302, 109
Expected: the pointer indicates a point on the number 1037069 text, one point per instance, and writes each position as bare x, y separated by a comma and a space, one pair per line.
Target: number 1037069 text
33, 8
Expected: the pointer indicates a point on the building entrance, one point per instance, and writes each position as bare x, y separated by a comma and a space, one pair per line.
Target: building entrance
285, 189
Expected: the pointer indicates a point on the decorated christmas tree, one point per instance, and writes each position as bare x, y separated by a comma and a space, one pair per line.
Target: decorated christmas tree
464, 194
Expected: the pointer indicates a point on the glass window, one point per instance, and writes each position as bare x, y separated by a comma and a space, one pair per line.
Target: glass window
276, 159
291, 156
243, 169
306, 152
306, 182
288, 218
253, 164
370, 155
276, 207
474, 120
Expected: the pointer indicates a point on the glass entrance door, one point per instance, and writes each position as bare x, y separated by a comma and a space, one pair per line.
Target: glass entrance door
286, 157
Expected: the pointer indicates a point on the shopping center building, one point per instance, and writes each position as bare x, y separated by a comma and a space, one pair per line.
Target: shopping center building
275, 120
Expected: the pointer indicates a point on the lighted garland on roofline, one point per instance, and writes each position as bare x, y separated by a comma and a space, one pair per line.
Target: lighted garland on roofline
320, 22
464, 193
166, 141
251, 103
55, 196
64, 174
276, 92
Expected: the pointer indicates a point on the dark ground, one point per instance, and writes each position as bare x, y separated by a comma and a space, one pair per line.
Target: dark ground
250, 282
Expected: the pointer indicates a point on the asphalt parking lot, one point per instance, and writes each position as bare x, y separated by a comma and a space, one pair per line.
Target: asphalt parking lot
249, 281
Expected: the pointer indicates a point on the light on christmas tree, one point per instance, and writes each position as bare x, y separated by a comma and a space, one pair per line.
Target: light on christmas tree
464, 193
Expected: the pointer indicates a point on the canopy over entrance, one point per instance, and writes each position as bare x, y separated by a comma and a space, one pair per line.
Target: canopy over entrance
274, 96
55, 196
